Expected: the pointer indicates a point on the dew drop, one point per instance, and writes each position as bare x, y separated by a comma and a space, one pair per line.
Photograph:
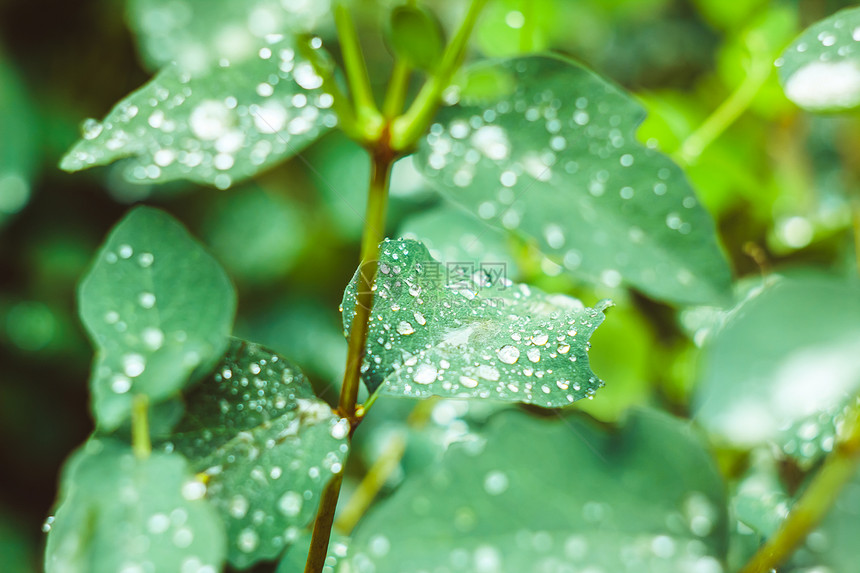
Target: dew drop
495, 482
120, 384
290, 504
146, 300
425, 374
193, 490
533, 354
248, 540
404, 328
133, 364
508, 354
125, 251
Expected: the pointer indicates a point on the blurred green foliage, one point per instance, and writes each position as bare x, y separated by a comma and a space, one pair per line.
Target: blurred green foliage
778, 181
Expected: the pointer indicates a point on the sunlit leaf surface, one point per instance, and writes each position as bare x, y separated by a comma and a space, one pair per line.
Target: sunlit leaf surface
554, 156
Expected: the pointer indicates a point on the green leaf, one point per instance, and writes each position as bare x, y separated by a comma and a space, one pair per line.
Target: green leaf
820, 70
465, 331
199, 33
783, 366
573, 498
157, 307
267, 445
452, 235
217, 126
120, 513
558, 161
416, 36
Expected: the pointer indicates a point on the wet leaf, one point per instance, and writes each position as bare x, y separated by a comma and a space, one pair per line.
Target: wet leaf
416, 36
468, 332
215, 127
120, 513
153, 333
783, 366
574, 498
820, 70
267, 445
558, 161
198, 33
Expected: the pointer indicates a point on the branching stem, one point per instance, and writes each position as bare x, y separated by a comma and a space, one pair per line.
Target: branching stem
407, 128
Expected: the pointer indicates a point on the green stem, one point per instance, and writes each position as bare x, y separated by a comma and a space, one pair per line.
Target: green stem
728, 112
382, 159
527, 32
322, 525
356, 73
408, 128
398, 85
815, 502
140, 444
374, 233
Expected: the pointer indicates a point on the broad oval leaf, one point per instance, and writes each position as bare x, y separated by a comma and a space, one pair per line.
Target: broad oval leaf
416, 36
198, 33
820, 70
783, 367
467, 331
267, 445
158, 309
215, 127
554, 495
121, 513
558, 161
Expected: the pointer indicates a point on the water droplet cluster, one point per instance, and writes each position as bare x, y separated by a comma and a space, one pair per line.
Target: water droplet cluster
267, 445
575, 178
215, 126
457, 336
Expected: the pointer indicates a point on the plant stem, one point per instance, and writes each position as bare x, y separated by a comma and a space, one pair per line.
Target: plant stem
374, 233
729, 111
322, 525
140, 444
816, 501
527, 32
382, 468
406, 129
398, 85
382, 159
356, 73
